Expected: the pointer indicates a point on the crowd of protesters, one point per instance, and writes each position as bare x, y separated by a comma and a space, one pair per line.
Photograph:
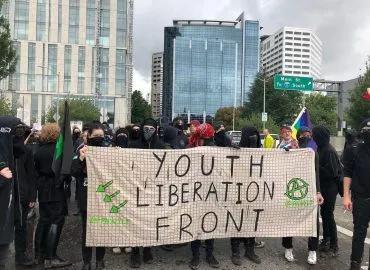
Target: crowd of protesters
26, 177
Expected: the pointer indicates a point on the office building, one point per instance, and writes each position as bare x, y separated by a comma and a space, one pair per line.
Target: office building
157, 84
75, 49
208, 65
292, 51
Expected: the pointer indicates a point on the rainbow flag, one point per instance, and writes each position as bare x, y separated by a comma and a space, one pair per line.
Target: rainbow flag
303, 120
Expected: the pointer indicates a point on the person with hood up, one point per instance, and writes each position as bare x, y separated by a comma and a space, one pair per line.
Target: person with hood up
304, 137
148, 140
52, 202
76, 133
221, 139
204, 134
121, 138
357, 192
172, 140
330, 172
351, 140
95, 137
250, 139
134, 133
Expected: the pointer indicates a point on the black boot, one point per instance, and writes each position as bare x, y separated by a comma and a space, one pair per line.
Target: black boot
324, 245
235, 250
40, 243
249, 251
135, 259
100, 265
355, 265
147, 255
52, 260
23, 260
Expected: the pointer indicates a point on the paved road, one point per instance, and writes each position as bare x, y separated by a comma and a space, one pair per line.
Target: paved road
272, 254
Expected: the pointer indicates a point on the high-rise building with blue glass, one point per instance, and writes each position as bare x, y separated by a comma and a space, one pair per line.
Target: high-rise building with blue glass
208, 65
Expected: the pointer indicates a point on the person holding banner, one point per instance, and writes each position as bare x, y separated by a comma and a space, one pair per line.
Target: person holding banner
203, 136
95, 137
357, 192
250, 139
304, 137
148, 140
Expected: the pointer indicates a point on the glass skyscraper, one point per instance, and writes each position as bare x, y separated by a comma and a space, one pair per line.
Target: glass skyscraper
208, 65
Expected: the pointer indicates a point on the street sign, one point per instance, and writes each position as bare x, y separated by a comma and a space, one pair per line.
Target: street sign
264, 117
298, 83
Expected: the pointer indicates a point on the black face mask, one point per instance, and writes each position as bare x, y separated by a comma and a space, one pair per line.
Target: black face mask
366, 136
97, 141
76, 135
18, 146
303, 142
135, 134
121, 141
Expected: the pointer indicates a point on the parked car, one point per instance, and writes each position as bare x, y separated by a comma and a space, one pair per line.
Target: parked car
275, 136
235, 136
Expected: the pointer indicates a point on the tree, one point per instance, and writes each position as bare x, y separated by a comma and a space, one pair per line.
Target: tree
281, 106
140, 108
322, 111
6, 107
255, 120
8, 54
359, 108
80, 110
225, 115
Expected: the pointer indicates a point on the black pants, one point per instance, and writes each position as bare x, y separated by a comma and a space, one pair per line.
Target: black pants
20, 224
361, 219
4, 255
235, 243
327, 214
87, 251
195, 247
52, 213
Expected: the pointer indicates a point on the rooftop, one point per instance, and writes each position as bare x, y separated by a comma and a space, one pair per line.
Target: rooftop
205, 22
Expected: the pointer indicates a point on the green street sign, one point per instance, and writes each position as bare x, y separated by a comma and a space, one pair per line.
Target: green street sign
297, 83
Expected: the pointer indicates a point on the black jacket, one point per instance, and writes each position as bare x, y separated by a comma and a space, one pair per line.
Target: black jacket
26, 177
46, 182
79, 171
330, 168
357, 166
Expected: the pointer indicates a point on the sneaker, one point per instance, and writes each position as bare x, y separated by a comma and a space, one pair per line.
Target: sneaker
135, 260
211, 260
128, 250
333, 252
312, 258
117, 250
100, 265
324, 245
147, 256
194, 264
289, 255
259, 244
235, 259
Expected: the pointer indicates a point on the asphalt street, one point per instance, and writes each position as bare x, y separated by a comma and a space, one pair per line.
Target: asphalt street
272, 254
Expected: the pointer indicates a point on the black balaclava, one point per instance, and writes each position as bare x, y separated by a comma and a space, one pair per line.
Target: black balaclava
170, 137
321, 135
121, 138
161, 133
365, 133
250, 138
179, 124
350, 135
135, 134
149, 133
96, 141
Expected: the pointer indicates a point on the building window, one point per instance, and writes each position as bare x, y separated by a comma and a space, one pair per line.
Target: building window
105, 23
74, 21
104, 71
305, 73
41, 20
120, 72
288, 43
297, 33
297, 44
121, 24
289, 38
81, 70
34, 108
67, 68
306, 34
288, 49
31, 66
16, 76
60, 20
52, 67
90, 22
288, 32
21, 19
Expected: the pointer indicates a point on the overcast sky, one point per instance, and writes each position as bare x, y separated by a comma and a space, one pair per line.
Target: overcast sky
342, 25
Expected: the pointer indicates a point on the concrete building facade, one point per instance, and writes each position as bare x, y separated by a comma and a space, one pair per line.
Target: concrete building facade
292, 51
157, 84
74, 49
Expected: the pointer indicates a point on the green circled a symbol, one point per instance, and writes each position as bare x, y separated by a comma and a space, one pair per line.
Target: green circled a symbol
297, 189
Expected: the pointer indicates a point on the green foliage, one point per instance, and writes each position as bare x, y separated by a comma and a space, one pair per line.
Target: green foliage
140, 108
359, 107
80, 110
225, 115
255, 120
6, 107
8, 54
322, 111
281, 106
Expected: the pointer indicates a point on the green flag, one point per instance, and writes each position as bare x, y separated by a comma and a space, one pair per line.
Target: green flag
64, 148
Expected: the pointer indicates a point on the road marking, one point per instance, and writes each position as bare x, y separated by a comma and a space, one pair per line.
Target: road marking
348, 232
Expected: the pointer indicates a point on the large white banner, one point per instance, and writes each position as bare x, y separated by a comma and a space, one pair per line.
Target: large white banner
156, 197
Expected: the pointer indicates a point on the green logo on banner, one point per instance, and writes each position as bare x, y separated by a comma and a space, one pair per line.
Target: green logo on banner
297, 189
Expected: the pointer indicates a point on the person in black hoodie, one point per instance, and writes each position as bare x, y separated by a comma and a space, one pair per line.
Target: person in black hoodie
330, 172
52, 202
148, 140
357, 192
121, 138
26, 180
95, 138
172, 139
250, 139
